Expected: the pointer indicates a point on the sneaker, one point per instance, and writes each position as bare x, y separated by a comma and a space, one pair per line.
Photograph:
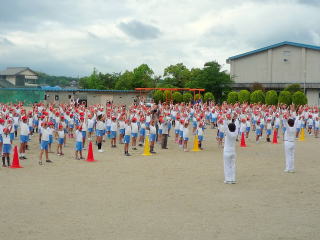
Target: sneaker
3, 165
101, 151
23, 157
49, 161
291, 171
134, 148
128, 154
84, 149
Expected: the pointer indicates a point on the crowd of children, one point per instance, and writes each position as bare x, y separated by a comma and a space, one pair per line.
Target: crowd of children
130, 125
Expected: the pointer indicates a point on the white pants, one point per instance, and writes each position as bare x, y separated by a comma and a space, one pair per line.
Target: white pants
289, 148
229, 159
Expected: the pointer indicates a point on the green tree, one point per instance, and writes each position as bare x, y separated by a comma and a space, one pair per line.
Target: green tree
271, 97
158, 96
109, 80
232, 97
167, 95
208, 96
244, 96
299, 98
293, 88
257, 97
125, 81
285, 97
177, 97
176, 75
198, 96
142, 77
187, 97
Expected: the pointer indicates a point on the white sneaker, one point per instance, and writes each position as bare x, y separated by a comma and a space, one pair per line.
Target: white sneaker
100, 150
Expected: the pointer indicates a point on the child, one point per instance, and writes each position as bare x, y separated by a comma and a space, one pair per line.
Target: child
127, 135
6, 148
268, 129
258, 130
142, 132
153, 133
44, 142
113, 131
1, 131
84, 127
79, 146
51, 131
248, 127
181, 133
316, 127
91, 121
134, 133
176, 129
310, 124
24, 133
100, 127
200, 134
220, 131
61, 136
122, 126
71, 125
185, 136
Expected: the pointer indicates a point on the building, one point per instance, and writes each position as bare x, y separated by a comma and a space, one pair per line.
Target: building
18, 77
278, 66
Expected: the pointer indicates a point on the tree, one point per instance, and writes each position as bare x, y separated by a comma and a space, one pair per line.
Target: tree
158, 96
293, 88
198, 96
208, 96
285, 97
177, 97
257, 97
299, 98
167, 95
271, 97
108, 81
244, 96
187, 97
142, 77
232, 97
125, 81
176, 75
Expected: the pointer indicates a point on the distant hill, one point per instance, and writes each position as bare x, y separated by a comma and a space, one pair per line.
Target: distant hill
62, 81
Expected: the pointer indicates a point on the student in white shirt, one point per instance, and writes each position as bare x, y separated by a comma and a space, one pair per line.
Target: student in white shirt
79, 143
6, 148
127, 136
134, 133
24, 133
185, 136
113, 131
153, 135
61, 136
44, 142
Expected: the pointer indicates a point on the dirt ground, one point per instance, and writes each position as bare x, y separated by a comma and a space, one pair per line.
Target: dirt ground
171, 195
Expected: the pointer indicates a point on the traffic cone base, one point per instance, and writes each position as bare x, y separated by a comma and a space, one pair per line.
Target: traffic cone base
15, 161
195, 144
90, 157
146, 149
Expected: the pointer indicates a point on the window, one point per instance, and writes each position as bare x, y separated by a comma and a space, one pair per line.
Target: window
69, 96
56, 97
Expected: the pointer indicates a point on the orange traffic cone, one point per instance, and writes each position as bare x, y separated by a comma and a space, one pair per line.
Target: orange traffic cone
243, 141
90, 157
15, 161
275, 137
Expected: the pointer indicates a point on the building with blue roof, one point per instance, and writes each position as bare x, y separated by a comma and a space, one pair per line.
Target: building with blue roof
279, 65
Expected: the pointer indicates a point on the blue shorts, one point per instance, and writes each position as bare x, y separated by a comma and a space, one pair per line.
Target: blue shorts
99, 133
248, 129
11, 136
113, 134
60, 141
15, 127
298, 130
180, 133
71, 126
213, 120
152, 137
258, 131
268, 131
44, 145
23, 138
50, 139
121, 131
65, 131
177, 131
126, 139
108, 128
200, 138
194, 124
30, 129
186, 139
159, 131
134, 134
147, 124
261, 126
78, 146
90, 130
84, 134
221, 134
142, 132
6, 148
1, 139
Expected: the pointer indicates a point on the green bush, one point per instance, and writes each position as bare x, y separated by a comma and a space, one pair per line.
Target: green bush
167, 95
243, 96
285, 97
271, 97
299, 98
232, 97
293, 88
177, 97
208, 96
257, 97
187, 97
198, 96
158, 96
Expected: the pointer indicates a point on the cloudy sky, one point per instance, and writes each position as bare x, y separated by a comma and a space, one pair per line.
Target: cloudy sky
71, 37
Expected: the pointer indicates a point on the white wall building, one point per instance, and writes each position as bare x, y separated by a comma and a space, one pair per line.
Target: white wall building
18, 77
278, 66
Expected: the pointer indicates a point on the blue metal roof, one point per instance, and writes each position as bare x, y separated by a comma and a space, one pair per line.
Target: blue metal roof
69, 90
275, 46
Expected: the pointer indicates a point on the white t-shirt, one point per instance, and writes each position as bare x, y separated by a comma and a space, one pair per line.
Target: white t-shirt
44, 134
6, 138
79, 136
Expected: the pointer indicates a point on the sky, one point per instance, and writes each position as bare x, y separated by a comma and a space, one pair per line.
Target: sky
71, 37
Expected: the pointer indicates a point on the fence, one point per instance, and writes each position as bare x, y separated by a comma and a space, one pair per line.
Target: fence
26, 95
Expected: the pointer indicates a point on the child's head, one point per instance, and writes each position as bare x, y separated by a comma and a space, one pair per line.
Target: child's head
232, 127
290, 122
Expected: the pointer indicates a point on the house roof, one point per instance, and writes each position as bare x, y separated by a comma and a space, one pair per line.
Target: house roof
11, 71
274, 46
